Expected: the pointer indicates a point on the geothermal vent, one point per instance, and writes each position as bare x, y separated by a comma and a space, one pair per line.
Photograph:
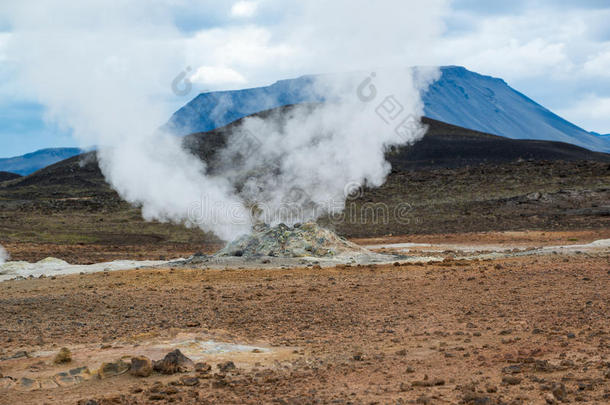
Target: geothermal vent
304, 240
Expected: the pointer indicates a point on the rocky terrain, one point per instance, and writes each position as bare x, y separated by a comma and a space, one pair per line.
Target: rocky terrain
454, 180
521, 330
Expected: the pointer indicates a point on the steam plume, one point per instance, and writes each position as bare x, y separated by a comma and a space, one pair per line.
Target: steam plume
103, 70
4, 256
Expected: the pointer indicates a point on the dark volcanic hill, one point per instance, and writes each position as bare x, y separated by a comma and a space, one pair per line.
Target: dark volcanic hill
5, 176
453, 180
443, 146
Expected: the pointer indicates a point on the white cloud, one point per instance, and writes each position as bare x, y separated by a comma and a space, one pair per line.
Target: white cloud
591, 112
4, 40
217, 75
244, 9
599, 64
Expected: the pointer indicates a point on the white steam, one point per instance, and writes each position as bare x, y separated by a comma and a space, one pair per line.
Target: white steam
104, 70
4, 256
305, 163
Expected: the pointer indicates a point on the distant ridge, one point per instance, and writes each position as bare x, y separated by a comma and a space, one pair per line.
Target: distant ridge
443, 146
31, 162
5, 176
460, 97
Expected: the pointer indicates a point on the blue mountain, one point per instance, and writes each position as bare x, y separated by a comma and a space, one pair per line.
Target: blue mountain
460, 97
34, 161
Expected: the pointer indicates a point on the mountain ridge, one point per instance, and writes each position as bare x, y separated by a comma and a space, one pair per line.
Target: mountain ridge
30, 162
460, 97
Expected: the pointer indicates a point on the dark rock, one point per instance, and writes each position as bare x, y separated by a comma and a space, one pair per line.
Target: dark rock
559, 392
174, 362
113, 369
514, 369
226, 366
203, 368
189, 381
511, 380
141, 366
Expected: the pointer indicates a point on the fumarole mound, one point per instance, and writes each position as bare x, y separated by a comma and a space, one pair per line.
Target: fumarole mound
302, 240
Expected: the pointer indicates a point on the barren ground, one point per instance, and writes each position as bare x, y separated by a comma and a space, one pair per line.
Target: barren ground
518, 330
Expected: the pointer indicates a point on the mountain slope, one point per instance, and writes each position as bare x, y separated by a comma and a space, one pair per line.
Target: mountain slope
34, 161
443, 146
460, 97
5, 176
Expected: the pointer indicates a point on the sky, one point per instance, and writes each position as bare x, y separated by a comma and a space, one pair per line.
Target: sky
555, 51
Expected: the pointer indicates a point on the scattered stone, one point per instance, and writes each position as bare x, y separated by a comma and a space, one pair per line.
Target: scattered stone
226, 366
559, 392
174, 362
203, 368
113, 369
28, 384
429, 383
543, 366
64, 356
141, 366
189, 381
88, 402
550, 399
514, 369
511, 380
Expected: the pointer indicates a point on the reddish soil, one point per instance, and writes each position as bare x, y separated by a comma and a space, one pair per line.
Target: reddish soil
515, 331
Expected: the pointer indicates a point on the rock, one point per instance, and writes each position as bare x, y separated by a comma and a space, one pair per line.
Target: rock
429, 383
514, 369
559, 392
19, 355
550, 399
113, 369
174, 362
511, 380
28, 384
203, 368
226, 366
543, 366
141, 366
64, 356
477, 399
189, 381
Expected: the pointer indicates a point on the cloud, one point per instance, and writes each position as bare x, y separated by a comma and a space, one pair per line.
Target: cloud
4, 40
593, 111
217, 75
599, 64
108, 69
244, 9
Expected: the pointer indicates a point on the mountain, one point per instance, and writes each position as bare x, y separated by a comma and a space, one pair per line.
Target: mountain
5, 176
460, 97
34, 161
443, 146
449, 180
